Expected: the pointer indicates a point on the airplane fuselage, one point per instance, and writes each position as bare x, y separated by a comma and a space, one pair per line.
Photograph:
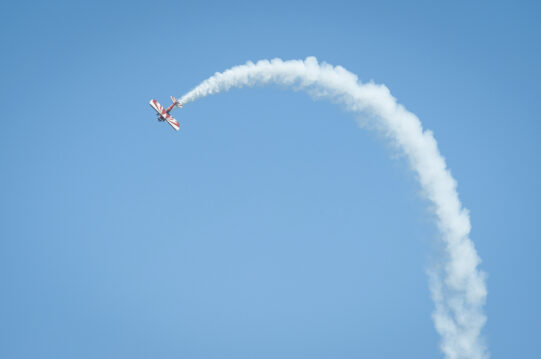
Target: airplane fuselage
170, 107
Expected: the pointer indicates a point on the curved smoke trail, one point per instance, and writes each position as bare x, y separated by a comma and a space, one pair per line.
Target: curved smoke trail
458, 288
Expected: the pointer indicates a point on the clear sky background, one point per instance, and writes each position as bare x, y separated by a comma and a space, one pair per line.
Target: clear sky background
270, 226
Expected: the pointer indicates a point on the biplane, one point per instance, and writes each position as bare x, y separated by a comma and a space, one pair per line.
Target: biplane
163, 114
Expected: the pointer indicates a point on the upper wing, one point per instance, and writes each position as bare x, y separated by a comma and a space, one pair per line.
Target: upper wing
156, 105
174, 123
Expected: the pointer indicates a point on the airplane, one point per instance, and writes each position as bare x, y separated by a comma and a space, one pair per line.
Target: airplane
163, 114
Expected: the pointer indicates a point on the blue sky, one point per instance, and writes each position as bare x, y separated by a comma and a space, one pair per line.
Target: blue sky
270, 226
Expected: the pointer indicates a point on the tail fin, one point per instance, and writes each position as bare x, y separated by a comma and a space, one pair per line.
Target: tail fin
176, 102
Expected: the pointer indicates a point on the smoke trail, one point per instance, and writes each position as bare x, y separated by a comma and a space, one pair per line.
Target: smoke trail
458, 288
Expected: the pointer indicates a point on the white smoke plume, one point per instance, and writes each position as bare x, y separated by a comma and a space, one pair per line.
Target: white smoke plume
458, 287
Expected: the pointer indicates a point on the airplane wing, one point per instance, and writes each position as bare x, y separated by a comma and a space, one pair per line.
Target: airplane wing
170, 120
155, 104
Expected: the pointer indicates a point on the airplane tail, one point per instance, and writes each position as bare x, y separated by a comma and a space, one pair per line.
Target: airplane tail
176, 102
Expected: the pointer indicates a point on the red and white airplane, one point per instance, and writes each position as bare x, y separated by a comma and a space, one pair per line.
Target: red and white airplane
163, 114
